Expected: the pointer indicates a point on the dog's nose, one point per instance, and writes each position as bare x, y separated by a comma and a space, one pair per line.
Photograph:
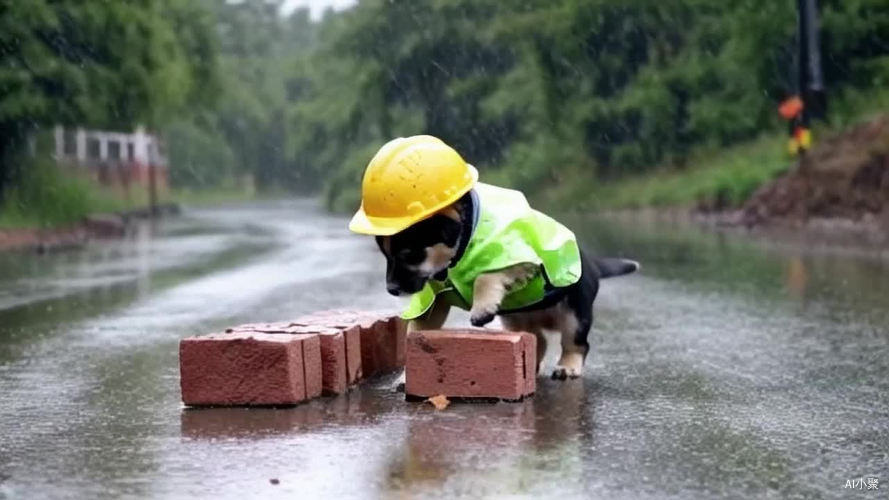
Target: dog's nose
393, 290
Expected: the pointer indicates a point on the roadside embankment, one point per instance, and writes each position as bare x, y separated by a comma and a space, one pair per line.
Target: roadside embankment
844, 178
94, 226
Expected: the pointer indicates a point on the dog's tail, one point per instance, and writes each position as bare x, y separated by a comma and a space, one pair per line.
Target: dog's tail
611, 267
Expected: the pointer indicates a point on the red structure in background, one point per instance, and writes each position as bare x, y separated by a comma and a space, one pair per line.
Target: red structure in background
122, 161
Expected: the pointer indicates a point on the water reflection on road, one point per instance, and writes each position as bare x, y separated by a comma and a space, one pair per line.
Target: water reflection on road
731, 367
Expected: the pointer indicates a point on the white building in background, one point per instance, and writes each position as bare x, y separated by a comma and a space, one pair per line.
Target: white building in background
113, 158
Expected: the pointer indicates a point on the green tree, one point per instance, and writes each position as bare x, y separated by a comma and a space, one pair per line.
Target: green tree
262, 58
550, 90
98, 63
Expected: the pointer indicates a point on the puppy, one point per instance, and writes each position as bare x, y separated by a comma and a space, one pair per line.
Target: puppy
426, 250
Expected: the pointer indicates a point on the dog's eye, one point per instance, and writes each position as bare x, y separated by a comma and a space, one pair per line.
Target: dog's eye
411, 255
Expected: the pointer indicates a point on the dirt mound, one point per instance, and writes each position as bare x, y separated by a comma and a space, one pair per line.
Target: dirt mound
844, 177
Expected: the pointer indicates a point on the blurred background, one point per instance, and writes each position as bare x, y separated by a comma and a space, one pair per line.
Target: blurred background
580, 103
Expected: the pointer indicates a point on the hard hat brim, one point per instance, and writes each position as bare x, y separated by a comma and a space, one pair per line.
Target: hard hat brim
362, 223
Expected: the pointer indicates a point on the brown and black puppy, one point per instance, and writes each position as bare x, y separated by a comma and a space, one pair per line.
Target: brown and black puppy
425, 250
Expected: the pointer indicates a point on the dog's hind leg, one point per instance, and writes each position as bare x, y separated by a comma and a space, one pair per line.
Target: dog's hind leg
574, 320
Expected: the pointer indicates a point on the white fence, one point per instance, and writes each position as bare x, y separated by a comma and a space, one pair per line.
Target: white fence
86, 147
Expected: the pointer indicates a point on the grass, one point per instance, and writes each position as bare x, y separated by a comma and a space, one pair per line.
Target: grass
45, 197
724, 178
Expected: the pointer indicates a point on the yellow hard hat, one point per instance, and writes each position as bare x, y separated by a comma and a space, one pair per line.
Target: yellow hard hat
408, 180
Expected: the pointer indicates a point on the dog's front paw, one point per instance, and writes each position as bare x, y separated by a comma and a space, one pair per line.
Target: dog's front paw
481, 317
563, 372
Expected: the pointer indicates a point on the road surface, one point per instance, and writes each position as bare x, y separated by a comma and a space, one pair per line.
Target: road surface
729, 367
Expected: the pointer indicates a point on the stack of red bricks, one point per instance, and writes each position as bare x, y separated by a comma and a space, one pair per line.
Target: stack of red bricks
289, 362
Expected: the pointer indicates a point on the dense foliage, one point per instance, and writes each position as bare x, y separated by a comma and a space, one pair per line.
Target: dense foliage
99, 63
531, 91
540, 91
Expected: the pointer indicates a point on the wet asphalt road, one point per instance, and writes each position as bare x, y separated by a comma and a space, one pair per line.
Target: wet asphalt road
730, 367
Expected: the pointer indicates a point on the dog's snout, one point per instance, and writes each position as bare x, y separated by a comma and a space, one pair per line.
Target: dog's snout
393, 289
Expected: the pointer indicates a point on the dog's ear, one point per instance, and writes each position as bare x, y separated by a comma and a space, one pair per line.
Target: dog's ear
451, 224
452, 213
450, 231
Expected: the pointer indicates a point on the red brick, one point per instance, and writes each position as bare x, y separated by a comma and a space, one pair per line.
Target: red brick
470, 364
530, 363
379, 347
372, 347
312, 365
353, 354
334, 351
249, 368
390, 340
348, 365
340, 319
333, 363
382, 337
400, 328
372, 343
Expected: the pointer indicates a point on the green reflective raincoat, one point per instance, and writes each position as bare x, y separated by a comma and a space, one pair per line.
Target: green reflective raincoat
508, 232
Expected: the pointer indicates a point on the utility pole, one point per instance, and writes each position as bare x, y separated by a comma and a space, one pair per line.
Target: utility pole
811, 78
810, 99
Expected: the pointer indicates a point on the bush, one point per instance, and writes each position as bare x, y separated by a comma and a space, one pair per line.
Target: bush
47, 197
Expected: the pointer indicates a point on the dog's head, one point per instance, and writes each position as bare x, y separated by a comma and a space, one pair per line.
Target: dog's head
421, 251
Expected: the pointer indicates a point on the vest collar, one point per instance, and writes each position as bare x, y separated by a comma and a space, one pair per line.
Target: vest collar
468, 230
